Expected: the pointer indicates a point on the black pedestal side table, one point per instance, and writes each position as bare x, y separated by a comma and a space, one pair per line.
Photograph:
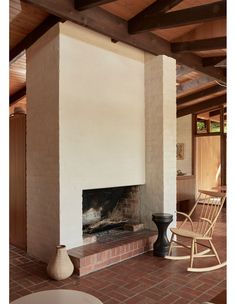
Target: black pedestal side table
162, 221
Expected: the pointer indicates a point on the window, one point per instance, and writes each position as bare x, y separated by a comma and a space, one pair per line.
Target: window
201, 126
211, 122
214, 121
225, 122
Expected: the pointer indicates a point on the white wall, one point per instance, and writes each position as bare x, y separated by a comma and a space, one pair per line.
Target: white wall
86, 129
184, 135
102, 131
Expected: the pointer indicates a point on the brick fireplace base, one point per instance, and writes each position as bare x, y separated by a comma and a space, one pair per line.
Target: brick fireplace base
108, 251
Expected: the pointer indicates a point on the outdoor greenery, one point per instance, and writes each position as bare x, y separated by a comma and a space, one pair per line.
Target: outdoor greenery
201, 126
215, 127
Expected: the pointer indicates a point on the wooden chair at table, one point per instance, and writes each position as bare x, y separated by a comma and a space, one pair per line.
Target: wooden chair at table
207, 207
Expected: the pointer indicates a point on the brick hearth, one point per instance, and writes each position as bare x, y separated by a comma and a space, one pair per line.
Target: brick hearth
111, 249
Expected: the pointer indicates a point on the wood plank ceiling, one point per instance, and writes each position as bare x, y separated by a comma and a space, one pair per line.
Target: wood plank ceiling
191, 31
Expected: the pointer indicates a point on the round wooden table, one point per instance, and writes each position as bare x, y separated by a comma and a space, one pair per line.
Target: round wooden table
58, 296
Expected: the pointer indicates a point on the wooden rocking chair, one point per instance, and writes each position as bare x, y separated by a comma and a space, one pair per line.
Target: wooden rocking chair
199, 229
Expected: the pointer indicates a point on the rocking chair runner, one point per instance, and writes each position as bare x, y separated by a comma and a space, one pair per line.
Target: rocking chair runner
208, 207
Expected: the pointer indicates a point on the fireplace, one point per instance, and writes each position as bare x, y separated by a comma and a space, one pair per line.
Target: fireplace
108, 208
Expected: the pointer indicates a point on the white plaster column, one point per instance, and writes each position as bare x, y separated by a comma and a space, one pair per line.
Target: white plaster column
159, 191
42, 150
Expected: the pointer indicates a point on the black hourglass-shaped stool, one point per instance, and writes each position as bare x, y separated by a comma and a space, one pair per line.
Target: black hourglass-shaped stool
162, 221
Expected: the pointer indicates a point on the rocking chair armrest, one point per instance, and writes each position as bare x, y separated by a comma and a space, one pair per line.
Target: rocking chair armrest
187, 217
208, 221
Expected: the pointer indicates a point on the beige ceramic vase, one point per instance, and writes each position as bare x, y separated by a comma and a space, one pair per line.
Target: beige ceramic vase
60, 266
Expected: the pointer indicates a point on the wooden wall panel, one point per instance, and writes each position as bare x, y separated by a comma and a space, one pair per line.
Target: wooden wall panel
207, 161
185, 188
224, 160
18, 180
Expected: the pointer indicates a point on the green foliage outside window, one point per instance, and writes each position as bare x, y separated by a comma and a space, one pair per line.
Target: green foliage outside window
201, 126
215, 127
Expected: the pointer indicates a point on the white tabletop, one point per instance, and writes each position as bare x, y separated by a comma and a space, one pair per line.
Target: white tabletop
58, 296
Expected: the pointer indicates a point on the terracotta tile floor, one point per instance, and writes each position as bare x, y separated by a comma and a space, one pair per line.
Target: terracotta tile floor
144, 279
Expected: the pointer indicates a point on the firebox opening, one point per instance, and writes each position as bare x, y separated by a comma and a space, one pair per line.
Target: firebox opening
109, 208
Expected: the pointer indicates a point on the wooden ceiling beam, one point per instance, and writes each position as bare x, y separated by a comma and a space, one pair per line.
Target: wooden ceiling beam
81, 5
193, 15
217, 112
17, 51
211, 61
160, 6
202, 106
17, 96
202, 81
199, 45
182, 71
203, 93
103, 22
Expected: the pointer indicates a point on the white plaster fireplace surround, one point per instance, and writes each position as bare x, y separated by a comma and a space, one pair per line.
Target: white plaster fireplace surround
85, 130
101, 118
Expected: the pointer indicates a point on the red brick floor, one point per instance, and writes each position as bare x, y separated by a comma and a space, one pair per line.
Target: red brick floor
144, 279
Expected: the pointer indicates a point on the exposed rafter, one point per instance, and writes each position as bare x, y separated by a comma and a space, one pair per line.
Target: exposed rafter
115, 27
202, 81
193, 15
33, 36
199, 45
14, 98
203, 93
211, 61
160, 6
85, 4
202, 106
183, 70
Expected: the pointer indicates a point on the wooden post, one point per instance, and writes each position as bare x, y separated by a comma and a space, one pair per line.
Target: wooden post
222, 148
